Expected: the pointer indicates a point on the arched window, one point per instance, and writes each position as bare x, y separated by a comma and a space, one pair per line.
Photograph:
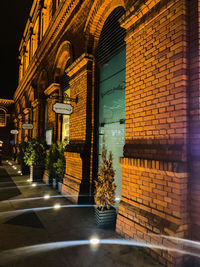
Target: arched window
35, 37
111, 64
47, 14
3, 117
65, 89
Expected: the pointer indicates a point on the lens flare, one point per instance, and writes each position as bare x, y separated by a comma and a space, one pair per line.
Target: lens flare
12, 255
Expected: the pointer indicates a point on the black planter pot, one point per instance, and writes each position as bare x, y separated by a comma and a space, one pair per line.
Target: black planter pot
36, 173
106, 218
25, 169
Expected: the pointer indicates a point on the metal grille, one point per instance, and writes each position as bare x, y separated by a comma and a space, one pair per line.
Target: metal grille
112, 37
2, 118
66, 78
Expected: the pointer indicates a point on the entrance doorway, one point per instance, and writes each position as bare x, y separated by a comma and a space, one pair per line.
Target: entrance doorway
112, 72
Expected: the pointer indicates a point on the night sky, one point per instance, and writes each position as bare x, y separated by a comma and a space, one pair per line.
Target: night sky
14, 15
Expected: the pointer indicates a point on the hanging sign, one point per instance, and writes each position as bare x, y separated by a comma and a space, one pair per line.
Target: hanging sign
27, 126
14, 131
62, 108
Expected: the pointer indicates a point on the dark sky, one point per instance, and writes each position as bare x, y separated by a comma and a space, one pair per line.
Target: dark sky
14, 15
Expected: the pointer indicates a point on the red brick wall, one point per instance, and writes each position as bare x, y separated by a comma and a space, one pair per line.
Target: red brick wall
52, 118
156, 92
154, 170
154, 200
78, 158
78, 87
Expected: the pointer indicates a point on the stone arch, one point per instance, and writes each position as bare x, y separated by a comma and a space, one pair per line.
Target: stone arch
42, 83
31, 95
63, 55
99, 12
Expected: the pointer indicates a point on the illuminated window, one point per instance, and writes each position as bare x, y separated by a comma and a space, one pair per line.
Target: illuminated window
2, 118
66, 89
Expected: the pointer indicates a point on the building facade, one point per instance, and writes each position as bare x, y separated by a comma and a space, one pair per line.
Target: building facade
130, 70
6, 125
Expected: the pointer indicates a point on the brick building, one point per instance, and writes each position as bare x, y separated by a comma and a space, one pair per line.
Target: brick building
6, 125
134, 68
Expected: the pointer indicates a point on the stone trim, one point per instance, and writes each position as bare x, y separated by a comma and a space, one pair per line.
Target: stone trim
79, 64
26, 111
6, 102
35, 103
52, 89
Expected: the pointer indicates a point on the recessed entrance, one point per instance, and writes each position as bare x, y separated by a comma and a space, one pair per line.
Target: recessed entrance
112, 71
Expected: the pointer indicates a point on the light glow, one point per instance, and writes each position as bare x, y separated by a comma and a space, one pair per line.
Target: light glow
46, 196
57, 206
94, 241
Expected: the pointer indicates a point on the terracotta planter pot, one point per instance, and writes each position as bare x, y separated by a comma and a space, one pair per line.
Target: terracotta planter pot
36, 173
106, 218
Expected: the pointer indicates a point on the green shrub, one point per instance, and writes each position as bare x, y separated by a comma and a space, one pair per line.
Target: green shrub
35, 153
22, 148
55, 163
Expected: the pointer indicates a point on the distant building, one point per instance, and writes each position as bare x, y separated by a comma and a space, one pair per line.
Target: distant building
130, 70
6, 125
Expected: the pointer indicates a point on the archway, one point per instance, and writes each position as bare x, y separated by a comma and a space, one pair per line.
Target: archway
111, 67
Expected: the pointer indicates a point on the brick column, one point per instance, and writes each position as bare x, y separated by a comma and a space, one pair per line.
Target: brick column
27, 120
15, 147
78, 156
38, 118
53, 121
20, 128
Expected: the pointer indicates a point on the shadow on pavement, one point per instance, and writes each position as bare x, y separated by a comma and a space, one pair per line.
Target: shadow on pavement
7, 193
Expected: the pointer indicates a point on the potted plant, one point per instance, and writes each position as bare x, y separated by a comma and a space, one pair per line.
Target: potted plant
55, 165
50, 159
59, 166
34, 157
20, 157
105, 212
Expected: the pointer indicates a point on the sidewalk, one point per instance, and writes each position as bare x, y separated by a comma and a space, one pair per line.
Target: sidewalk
45, 226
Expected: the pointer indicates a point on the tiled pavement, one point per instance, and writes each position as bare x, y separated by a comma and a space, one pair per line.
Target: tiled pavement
29, 228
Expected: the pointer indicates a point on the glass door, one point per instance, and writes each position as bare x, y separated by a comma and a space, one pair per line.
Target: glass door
112, 112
